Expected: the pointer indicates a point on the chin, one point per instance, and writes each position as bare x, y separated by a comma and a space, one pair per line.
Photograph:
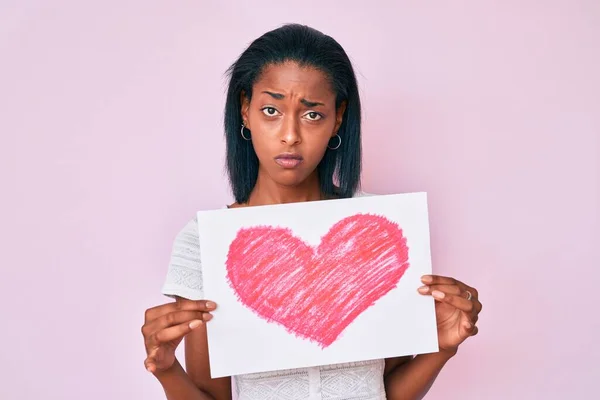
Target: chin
290, 178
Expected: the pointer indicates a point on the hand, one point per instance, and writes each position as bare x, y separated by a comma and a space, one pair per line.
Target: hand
456, 315
166, 325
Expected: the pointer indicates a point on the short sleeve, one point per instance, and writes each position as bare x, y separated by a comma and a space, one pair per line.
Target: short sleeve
363, 194
184, 275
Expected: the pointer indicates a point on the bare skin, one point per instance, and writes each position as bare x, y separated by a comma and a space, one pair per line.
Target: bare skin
292, 112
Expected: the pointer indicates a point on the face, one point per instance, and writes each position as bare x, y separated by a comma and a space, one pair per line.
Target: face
291, 117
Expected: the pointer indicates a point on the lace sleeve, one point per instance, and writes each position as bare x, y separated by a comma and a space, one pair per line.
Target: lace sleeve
184, 275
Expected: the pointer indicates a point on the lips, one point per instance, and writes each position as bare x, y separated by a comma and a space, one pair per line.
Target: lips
289, 160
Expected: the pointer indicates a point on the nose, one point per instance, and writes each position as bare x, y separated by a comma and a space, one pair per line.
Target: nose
290, 132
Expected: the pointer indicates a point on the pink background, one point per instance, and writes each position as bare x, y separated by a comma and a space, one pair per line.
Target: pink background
111, 139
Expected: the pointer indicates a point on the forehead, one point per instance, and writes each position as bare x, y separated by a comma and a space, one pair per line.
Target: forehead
290, 78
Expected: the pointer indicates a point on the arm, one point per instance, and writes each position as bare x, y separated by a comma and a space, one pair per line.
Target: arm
164, 328
457, 309
193, 382
198, 367
412, 379
178, 385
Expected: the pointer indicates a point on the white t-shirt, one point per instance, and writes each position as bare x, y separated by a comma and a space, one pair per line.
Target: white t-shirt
351, 381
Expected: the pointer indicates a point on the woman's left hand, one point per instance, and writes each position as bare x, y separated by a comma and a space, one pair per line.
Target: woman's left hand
457, 309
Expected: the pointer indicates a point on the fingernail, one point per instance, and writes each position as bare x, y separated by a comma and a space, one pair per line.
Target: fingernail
210, 304
468, 325
149, 369
438, 295
426, 279
194, 324
424, 289
206, 316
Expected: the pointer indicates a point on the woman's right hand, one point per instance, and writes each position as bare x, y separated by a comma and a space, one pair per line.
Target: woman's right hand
166, 325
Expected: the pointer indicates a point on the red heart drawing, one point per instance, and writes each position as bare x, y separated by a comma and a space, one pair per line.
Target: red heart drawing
315, 293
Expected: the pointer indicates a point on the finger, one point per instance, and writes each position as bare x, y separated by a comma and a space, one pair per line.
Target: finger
450, 289
475, 330
153, 352
470, 289
179, 305
477, 304
454, 290
174, 319
467, 328
175, 332
150, 364
445, 280
439, 280
152, 360
459, 302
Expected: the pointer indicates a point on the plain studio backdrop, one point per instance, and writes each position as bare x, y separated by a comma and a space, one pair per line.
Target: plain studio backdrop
111, 140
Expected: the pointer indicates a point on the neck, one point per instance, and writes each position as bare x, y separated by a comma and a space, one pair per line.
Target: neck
266, 191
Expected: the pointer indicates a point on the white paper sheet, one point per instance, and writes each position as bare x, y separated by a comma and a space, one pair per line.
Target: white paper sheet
316, 283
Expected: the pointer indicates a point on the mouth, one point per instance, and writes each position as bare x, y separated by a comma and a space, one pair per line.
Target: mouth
289, 160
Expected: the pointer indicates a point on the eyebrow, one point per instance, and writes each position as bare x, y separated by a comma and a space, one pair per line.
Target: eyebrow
307, 103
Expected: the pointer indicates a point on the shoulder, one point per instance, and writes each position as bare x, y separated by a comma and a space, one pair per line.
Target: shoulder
186, 246
360, 193
188, 235
184, 275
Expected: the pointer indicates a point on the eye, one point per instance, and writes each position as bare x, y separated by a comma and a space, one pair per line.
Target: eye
269, 111
313, 116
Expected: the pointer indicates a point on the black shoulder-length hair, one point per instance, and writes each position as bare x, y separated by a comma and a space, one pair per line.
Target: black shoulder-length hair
339, 170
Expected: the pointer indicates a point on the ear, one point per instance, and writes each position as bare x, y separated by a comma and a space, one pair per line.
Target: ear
339, 117
245, 102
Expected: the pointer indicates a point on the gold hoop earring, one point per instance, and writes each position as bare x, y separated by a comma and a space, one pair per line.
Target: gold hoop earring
338, 145
242, 133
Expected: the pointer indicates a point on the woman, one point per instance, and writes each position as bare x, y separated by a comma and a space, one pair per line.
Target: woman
293, 126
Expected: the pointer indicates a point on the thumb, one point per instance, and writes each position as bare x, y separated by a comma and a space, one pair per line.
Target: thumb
466, 327
150, 361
